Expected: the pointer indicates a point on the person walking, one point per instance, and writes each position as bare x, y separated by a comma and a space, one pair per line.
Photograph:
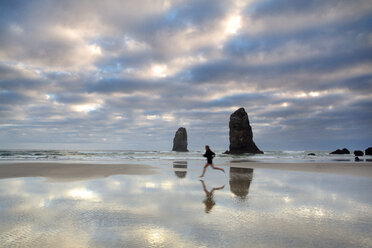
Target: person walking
210, 155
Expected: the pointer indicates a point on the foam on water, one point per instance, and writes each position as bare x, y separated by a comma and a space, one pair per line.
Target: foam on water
117, 156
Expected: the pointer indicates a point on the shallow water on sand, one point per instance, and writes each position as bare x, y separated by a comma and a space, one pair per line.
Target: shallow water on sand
243, 208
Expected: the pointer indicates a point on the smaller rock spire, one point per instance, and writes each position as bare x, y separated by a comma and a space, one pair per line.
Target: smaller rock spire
180, 140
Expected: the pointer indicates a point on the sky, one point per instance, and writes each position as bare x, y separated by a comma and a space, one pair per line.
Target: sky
127, 74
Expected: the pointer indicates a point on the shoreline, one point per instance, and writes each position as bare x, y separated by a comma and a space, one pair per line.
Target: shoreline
59, 171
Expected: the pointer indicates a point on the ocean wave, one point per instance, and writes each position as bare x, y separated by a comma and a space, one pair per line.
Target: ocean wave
139, 155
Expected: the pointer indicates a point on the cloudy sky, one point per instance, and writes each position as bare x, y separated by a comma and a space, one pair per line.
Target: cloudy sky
126, 74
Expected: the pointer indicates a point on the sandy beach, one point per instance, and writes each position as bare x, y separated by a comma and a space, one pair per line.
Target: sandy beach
72, 171
353, 169
76, 171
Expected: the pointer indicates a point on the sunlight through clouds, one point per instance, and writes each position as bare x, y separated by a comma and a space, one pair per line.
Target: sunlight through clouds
130, 65
159, 70
85, 107
233, 24
95, 50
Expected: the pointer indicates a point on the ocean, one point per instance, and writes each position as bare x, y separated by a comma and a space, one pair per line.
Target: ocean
137, 156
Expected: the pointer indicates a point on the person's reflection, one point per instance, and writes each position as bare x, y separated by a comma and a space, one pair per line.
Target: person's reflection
180, 165
209, 201
240, 180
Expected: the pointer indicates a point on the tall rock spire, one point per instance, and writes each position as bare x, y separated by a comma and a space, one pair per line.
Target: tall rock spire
241, 136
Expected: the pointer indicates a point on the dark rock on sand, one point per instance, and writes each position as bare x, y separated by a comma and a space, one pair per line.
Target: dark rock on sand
358, 153
357, 159
241, 135
180, 140
368, 151
343, 151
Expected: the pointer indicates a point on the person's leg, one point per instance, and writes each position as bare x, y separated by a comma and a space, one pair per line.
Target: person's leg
204, 169
217, 168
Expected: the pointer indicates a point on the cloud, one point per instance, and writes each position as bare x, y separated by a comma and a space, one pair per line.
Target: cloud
287, 16
139, 70
11, 98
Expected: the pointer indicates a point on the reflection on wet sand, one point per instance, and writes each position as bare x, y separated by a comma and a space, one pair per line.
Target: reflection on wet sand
240, 180
209, 201
180, 165
162, 210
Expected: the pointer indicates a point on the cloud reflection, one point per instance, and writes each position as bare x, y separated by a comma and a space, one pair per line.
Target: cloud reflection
293, 208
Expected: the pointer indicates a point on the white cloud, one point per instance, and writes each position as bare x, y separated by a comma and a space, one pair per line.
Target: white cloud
16, 29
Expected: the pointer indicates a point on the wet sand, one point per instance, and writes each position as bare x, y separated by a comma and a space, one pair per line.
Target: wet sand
167, 205
76, 171
353, 168
72, 171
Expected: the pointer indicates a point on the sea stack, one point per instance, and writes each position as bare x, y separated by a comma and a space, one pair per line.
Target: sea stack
241, 135
368, 151
343, 151
358, 153
180, 140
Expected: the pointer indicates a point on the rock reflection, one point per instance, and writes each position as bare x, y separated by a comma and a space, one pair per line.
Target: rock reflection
209, 201
122, 211
240, 181
180, 165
